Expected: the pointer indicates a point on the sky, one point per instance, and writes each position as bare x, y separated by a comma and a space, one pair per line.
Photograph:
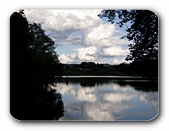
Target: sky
81, 36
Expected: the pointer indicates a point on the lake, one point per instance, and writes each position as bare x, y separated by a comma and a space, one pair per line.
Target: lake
108, 99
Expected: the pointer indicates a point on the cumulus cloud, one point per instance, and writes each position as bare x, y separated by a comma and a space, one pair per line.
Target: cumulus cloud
62, 20
84, 28
92, 54
86, 53
114, 51
75, 40
65, 58
81, 54
98, 35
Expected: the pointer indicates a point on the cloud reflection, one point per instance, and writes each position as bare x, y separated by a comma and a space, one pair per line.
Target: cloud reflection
86, 94
150, 98
105, 111
118, 97
107, 102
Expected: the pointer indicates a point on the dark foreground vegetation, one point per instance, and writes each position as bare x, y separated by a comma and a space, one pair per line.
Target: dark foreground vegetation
33, 67
141, 27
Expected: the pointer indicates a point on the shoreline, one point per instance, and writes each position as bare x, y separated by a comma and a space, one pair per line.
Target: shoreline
104, 77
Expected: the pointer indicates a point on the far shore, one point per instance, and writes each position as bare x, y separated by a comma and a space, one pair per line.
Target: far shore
104, 77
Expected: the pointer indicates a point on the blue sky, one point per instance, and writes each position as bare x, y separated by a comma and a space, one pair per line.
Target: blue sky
80, 35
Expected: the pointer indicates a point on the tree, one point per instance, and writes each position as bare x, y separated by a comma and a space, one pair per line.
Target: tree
42, 51
141, 27
33, 67
40, 42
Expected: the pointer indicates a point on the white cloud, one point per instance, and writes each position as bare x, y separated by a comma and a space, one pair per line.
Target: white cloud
103, 36
62, 20
114, 51
116, 40
118, 61
66, 58
86, 53
91, 54
96, 35
75, 40
84, 28
81, 54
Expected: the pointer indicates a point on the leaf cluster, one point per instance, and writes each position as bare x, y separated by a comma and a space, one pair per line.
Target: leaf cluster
141, 28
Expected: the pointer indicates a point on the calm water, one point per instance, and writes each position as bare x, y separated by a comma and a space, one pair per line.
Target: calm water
108, 100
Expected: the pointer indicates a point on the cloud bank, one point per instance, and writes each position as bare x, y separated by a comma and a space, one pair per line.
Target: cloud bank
95, 38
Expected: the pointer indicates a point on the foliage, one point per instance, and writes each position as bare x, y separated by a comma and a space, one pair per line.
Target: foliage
33, 67
142, 29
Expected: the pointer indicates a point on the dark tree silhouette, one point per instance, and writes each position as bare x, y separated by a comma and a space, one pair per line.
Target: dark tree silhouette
142, 29
33, 67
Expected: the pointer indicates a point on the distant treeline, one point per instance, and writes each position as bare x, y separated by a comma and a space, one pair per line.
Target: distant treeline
147, 68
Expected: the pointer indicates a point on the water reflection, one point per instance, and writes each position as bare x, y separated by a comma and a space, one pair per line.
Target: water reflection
49, 107
108, 100
32, 104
